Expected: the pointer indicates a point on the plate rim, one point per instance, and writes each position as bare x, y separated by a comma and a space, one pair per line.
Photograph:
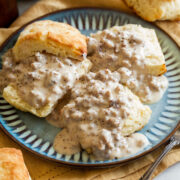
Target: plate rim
94, 165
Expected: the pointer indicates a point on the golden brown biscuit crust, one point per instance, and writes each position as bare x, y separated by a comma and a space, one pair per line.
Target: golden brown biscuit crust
156, 10
53, 37
12, 165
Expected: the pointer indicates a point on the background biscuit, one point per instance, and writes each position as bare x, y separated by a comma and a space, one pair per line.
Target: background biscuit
12, 165
152, 10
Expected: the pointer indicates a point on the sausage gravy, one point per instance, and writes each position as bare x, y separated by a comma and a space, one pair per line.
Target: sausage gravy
40, 79
94, 118
124, 52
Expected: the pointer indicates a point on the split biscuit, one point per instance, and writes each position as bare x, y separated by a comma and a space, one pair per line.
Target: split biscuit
108, 48
52, 37
10, 94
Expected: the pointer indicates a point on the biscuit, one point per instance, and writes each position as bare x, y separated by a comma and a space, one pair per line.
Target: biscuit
89, 88
152, 10
137, 122
52, 37
10, 94
99, 111
12, 166
153, 56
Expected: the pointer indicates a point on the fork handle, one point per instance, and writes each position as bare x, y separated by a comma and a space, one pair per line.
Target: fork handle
151, 169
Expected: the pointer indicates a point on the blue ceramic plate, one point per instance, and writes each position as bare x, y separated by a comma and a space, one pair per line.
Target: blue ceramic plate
36, 135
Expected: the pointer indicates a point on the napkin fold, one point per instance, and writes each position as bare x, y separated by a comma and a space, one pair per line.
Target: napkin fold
41, 169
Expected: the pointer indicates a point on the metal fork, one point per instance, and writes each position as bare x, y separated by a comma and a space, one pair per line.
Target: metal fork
174, 141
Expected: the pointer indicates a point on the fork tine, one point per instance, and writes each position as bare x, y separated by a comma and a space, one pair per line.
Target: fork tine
177, 135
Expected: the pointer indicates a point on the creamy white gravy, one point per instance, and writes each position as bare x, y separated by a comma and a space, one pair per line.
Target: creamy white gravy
125, 52
54, 118
94, 118
40, 79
